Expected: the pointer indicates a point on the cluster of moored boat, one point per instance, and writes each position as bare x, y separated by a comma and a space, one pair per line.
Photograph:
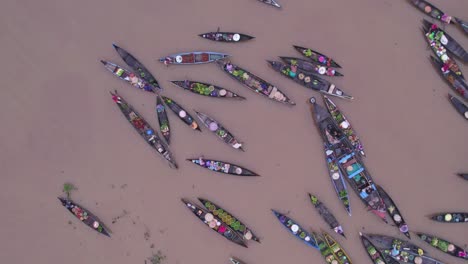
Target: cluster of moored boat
344, 151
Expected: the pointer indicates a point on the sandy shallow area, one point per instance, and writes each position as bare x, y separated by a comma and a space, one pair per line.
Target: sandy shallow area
60, 125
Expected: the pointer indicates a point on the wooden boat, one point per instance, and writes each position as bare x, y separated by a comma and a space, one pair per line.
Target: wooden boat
458, 84
206, 89
311, 67
236, 261
226, 36
317, 57
84, 215
326, 252
459, 106
463, 24
400, 250
254, 83
375, 255
223, 167
348, 161
463, 176
136, 66
196, 57
181, 113
164, 126
214, 223
270, 2
308, 80
458, 217
394, 212
444, 245
441, 52
296, 230
326, 215
144, 129
130, 77
344, 125
339, 252
435, 33
218, 129
230, 220
336, 177
432, 11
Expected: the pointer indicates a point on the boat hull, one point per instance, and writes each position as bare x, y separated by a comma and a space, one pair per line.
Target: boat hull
223, 167
311, 67
458, 217
130, 77
206, 89
432, 11
226, 36
446, 40
394, 212
461, 108
181, 113
326, 215
444, 246
164, 126
316, 57
296, 230
198, 57
219, 130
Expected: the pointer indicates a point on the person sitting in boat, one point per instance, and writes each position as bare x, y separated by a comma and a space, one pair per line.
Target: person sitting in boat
229, 67
167, 61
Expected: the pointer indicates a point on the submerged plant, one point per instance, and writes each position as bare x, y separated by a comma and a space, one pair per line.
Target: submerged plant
157, 258
68, 188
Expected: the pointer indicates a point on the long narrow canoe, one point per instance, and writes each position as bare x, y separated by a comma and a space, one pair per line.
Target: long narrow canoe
394, 212
296, 230
181, 113
441, 52
236, 261
218, 129
254, 83
463, 176
458, 84
463, 24
226, 36
317, 57
270, 2
458, 217
223, 167
338, 250
206, 89
144, 129
326, 215
84, 215
336, 176
130, 77
401, 250
433, 32
164, 126
344, 124
136, 66
432, 11
196, 57
214, 223
327, 252
348, 161
444, 245
459, 106
308, 80
230, 220
375, 255
311, 67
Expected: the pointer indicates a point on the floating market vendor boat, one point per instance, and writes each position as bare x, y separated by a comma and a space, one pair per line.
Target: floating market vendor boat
130, 77
400, 250
348, 161
226, 36
229, 219
458, 84
236, 261
463, 176
308, 80
444, 246
214, 223
164, 126
327, 252
84, 215
336, 248
181, 113
144, 129
317, 57
311, 67
206, 89
432, 11
222, 133
197, 57
296, 230
344, 125
441, 53
435, 33
375, 255
254, 83
136, 66
463, 24
326, 215
458, 217
459, 106
223, 167
336, 177
394, 212
270, 2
